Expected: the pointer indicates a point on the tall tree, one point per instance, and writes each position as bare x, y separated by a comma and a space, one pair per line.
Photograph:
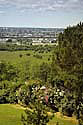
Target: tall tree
68, 60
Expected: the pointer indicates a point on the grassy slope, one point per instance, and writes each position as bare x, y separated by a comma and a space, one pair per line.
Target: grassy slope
11, 114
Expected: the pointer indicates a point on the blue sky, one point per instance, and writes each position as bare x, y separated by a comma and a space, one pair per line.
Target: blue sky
40, 13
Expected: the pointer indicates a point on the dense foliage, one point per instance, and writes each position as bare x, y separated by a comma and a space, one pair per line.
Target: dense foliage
68, 60
16, 47
37, 116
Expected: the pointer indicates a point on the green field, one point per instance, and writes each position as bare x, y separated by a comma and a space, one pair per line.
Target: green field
10, 114
26, 63
14, 57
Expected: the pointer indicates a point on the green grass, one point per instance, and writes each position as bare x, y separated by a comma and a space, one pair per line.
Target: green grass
25, 63
13, 57
19, 62
10, 114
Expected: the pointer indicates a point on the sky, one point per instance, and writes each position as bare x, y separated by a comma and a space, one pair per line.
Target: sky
40, 13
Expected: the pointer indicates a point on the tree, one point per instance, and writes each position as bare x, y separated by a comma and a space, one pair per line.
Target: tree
9, 41
68, 63
44, 73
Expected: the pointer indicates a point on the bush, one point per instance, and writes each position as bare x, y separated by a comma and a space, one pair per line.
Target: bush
37, 116
20, 55
28, 54
38, 56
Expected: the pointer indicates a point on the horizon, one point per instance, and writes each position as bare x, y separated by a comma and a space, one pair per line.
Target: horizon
31, 27
40, 27
17, 26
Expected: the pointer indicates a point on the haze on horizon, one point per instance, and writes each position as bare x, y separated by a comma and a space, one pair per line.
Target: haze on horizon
40, 13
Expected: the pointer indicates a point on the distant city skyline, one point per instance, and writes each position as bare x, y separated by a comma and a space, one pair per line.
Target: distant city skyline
40, 13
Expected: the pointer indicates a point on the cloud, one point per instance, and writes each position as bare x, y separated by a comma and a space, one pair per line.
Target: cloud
44, 5
2, 12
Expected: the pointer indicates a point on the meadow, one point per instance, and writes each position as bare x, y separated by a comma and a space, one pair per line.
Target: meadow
17, 57
26, 61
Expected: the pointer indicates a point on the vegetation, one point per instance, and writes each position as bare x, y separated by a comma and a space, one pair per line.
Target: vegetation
45, 78
68, 59
37, 116
10, 114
